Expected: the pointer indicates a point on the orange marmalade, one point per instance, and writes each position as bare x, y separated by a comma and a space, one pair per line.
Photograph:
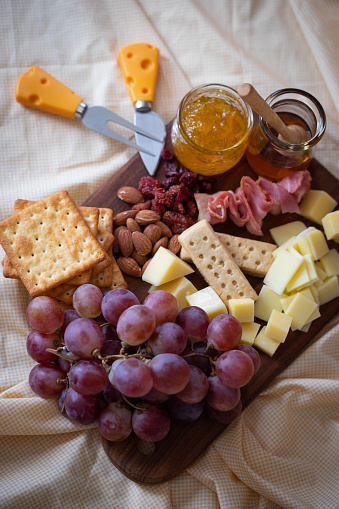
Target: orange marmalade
211, 130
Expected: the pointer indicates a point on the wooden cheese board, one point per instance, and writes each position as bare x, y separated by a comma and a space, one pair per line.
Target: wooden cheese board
159, 462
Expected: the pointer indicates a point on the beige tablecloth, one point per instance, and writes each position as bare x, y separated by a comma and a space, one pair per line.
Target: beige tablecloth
283, 450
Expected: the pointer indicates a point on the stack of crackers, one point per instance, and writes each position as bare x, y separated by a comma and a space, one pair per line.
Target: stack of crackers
53, 246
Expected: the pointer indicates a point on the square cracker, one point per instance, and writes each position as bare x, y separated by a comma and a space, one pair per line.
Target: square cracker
49, 243
215, 263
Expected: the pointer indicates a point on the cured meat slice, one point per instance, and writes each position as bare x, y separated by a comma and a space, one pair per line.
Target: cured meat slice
298, 184
282, 200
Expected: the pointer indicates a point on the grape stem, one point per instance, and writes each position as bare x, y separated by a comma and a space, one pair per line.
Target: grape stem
66, 357
136, 407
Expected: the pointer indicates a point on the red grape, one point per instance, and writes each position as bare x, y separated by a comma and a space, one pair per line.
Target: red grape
170, 372
116, 302
82, 408
202, 358
69, 316
83, 336
224, 332
197, 387
194, 321
111, 394
44, 314
37, 343
154, 396
88, 376
164, 305
152, 424
43, 380
220, 397
87, 301
133, 378
234, 368
167, 338
64, 364
136, 324
224, 417
186, 412
115, 422
252, 353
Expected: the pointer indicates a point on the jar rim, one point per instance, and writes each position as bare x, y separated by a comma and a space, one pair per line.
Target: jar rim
321, 123
232, 92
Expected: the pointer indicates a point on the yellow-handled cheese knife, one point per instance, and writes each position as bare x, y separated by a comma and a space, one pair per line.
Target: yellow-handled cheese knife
139, 63
37, 89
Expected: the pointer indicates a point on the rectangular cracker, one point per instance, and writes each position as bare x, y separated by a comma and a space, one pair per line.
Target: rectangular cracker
118, 278
215, 263
48, 243
105, 277
253, 257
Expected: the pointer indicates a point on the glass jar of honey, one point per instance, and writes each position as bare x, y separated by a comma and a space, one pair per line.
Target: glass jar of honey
211, 130
270, 156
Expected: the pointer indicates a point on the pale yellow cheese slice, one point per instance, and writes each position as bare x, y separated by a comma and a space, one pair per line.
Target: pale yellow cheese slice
164, 267
208, 300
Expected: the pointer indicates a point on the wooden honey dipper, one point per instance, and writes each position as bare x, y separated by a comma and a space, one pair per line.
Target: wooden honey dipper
292, 134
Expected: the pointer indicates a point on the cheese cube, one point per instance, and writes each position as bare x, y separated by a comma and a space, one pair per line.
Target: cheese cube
278, 326
164, 267
316, 205
249, 332
299, 280
265, 343
242, 309
330, 262
281, 234
300, 310
281, 271
331, 225
208, 300
328, 290
317, 243
267, 300
180, 288
313, 316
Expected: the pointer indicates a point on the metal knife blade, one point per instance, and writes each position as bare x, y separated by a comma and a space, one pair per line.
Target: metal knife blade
152, 123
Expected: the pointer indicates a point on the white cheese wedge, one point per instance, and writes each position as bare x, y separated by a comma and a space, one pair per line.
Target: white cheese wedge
242, 309
267, 300
281, 234
278, 325
208, 300
281, 271
164, 267
316, 204
331, 225
249, 332
265, 343
180, 288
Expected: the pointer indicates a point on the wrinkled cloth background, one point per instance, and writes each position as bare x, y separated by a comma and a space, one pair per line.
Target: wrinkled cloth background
283, 450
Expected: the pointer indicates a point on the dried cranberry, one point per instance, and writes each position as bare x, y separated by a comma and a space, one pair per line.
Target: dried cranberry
174, 190
171, 181
189, 179
191, 209
146, 205
184, 194
158, 208
170, 168
206, 187
176, 221
148, 185
162, 197
167, 154
178, 207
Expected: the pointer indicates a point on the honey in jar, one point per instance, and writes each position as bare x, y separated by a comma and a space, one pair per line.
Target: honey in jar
270, 156
211, 130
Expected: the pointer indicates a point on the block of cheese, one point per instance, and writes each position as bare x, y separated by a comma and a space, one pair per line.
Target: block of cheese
328, 290
300, 309
180, 288
265, 343
242, 309
164, 267
320, 270
331, 225
292, 242
278, 325
249, 332
280, 234
299, 280
316, 204
209, 301
285, 302
317, 243
313, 316
267, 300
311, 269
330, 262
215, 263
281, 271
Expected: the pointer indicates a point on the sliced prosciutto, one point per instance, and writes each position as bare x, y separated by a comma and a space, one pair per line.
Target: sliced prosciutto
282, 200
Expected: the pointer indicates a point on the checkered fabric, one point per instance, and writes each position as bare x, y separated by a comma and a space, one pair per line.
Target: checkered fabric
283, 449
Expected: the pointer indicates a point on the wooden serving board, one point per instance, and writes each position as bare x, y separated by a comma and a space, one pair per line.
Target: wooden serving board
185, 442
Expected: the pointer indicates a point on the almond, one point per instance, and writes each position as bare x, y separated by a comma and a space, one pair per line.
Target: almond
121, 218
130, 194
132, 225
125, 242
141, 243
145, 266
161, 243
153, 232
173, 244
129, 266
116, 245
141, 260
165, 231
145, 217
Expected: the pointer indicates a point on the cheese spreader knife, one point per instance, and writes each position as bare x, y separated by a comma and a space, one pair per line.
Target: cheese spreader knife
139, 63
37, 89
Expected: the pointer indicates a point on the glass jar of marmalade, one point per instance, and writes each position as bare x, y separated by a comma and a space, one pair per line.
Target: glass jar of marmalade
211, 130
270, 156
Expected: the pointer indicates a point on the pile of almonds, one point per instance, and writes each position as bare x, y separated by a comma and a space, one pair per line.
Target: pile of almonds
139, 234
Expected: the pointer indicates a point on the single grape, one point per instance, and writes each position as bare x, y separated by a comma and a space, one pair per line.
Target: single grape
69, 316
224, 417
113, 368
87, 301
167, 338
112, 344
88, 376
197, 387
82, 408
43, 380
115, 422
224, 332
194, 321
136, 324
83, 336
64, 364
186, 412
164, 305
37, 343
170, 372
116, 302
152, 424
154, 396
110, 332
133, 378
202, 358
252, 353
234, 368
111, 394
220, 397
44, 314
61, 399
